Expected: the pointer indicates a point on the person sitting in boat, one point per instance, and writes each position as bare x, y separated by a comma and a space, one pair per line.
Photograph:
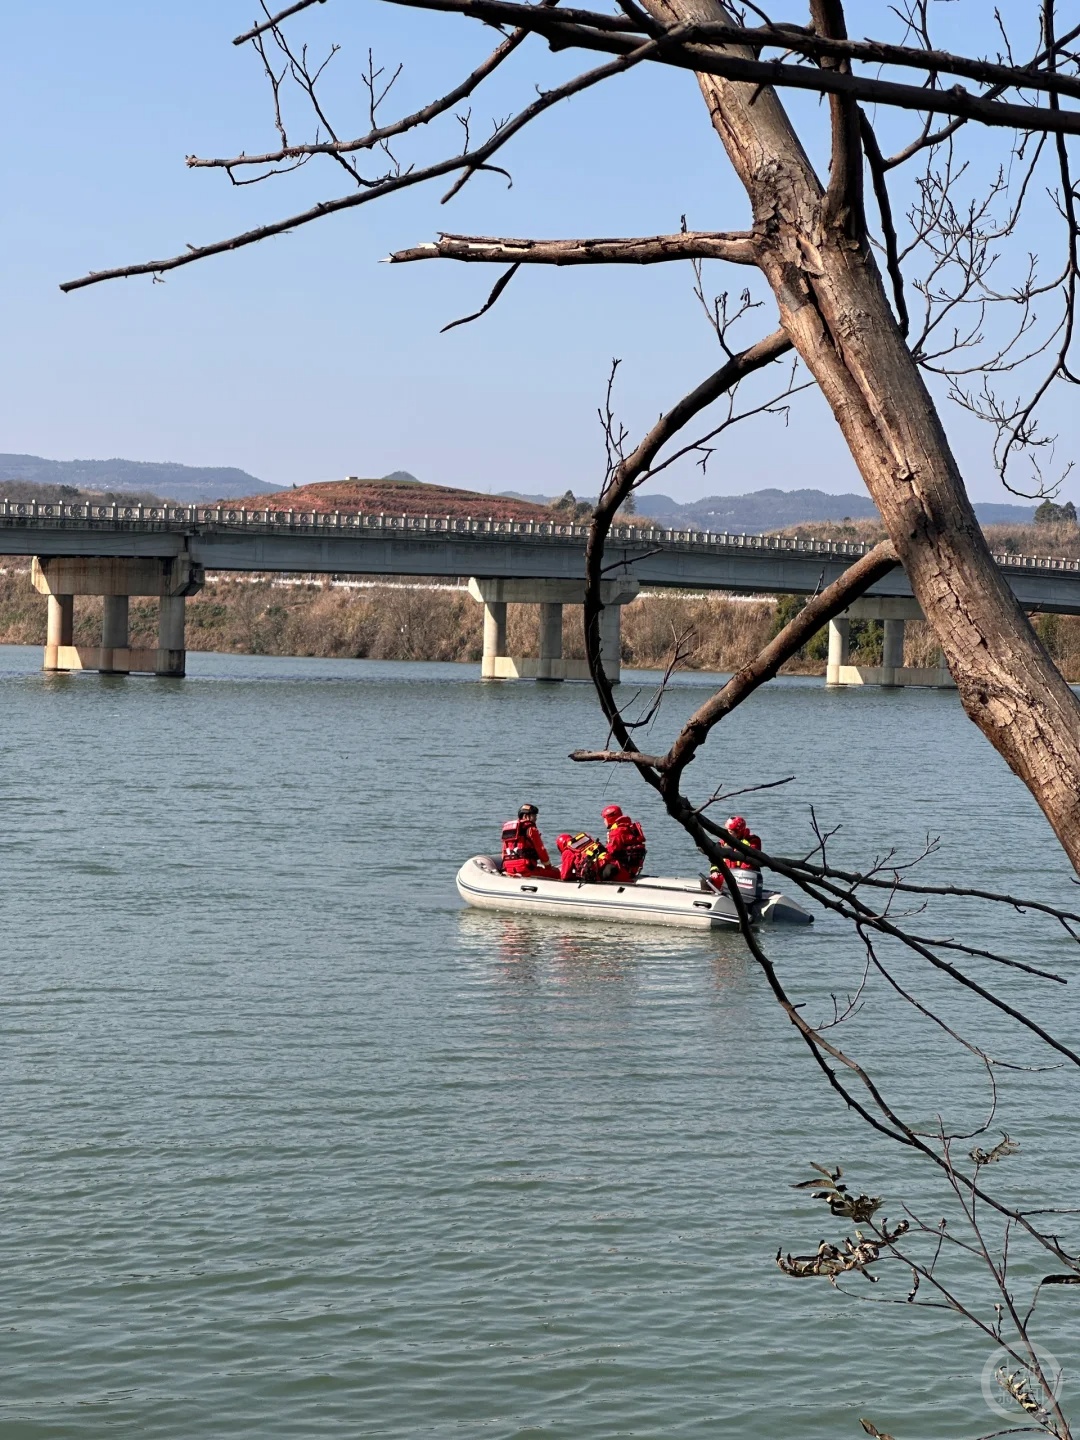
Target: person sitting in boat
739, 830
523, 851
737, 827
582, 858
625, 846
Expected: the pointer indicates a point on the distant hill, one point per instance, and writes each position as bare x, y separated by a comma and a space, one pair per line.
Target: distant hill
532, 499
188, 484
992, 514
772, 509
391, 496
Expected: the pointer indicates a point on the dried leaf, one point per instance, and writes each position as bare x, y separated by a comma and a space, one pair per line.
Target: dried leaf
1004, 1147
872, 1430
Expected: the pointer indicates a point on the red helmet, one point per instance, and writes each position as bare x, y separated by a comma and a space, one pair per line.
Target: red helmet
563, 841
737, 826
610, 813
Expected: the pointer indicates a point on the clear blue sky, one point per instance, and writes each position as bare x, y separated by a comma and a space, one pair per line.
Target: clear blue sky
304, 359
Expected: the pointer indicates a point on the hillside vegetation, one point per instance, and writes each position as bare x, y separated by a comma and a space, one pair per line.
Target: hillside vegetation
398, 497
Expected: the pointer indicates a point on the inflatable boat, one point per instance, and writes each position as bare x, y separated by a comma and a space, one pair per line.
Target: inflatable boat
650, 900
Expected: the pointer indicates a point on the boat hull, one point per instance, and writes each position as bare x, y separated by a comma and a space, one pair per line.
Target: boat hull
649, 901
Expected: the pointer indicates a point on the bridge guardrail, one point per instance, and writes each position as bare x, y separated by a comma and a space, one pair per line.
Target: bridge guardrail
185, 518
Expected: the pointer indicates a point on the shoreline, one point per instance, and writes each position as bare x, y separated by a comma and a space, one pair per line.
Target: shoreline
383, 618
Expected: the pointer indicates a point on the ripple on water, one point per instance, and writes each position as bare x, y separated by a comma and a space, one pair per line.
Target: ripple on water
295, 1145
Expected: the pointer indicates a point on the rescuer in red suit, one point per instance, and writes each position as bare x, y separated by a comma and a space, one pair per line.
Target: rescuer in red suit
625, 846
738, 829
523, 851
582, 857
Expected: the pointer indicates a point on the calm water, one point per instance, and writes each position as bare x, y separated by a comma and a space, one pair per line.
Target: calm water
293, 1145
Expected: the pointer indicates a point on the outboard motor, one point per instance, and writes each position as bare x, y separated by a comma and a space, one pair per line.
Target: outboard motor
749, 883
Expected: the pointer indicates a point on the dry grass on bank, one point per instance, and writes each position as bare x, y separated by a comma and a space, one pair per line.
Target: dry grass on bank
388, 622
258, 617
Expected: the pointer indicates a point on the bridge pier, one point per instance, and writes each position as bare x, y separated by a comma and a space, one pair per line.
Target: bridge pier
550, 666
60, 626
115, 658
494, 638
892, 652
61, 578
551, 596
892, 673
839, 649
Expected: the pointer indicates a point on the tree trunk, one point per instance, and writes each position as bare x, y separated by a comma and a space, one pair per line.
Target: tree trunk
835, 310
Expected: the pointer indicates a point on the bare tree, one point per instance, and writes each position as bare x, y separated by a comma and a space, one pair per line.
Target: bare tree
814, 244
954, 301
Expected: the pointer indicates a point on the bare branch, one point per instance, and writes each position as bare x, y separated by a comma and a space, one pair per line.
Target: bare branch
496, 290
736, 247
275, 20
681, 46
617, 757
378, 135
467, 162
844, 197
831, 601
876, 162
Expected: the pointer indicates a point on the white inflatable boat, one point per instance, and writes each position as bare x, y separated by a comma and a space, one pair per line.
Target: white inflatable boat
651, 900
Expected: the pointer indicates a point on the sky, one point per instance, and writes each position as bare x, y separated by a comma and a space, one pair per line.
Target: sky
304, 358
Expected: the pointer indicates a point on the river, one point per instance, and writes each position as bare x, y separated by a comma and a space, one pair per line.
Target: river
294, 1145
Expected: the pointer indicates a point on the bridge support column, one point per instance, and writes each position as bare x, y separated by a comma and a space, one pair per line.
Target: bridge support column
611, 642
551, 656
115, 651
494, 639
60, 628
61, 578
892, 652
839, 649
892, 672
171, 655
551, 596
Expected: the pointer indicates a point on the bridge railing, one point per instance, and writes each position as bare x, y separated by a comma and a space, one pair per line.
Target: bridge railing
187, 518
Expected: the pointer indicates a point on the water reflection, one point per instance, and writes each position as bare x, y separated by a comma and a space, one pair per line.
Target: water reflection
554, 950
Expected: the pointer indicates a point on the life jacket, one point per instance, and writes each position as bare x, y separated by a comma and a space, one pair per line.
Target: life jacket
517, 841
588, 853
754, 842
629, 843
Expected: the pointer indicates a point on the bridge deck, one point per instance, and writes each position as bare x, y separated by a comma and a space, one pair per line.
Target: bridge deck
229, 538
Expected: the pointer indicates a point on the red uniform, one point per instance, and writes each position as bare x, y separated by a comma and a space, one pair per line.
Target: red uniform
754, 842
625, 851
738, 829
582, 859
523, 851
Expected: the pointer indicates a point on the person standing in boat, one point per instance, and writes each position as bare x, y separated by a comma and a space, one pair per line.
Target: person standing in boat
582, 857
523, 850
625, 846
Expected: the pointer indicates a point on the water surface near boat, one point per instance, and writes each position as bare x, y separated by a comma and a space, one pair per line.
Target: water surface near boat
296, 1144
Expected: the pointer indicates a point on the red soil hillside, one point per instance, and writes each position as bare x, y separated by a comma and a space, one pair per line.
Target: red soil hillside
395, 497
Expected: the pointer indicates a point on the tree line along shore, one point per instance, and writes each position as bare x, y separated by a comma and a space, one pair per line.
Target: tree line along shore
387, 619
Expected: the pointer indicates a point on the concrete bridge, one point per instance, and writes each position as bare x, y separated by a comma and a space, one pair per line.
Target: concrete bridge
118, 550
